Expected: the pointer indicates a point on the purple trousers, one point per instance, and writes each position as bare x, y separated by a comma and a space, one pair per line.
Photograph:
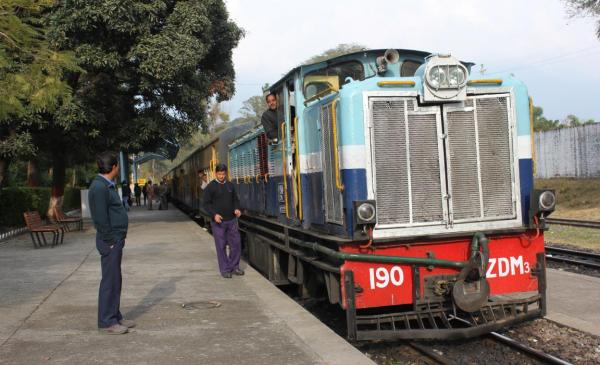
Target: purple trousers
226, 234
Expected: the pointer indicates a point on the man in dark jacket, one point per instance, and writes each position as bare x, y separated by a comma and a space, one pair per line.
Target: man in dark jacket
270, 119
222, 203
111, 222
125, 194
137, 191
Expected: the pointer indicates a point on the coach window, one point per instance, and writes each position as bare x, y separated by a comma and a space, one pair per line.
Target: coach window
332, 78
409, 68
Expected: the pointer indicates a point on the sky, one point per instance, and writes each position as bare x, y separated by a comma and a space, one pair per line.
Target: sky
557, 57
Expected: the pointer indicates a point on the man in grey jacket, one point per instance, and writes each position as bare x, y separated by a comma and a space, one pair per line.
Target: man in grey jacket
111, 222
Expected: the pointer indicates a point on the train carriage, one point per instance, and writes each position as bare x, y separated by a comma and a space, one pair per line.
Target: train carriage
401, 187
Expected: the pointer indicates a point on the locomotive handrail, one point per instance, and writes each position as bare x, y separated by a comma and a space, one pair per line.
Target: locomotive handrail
319, 95
485, 81
396, 83
283, 151
338, 180
298, 178
477, 242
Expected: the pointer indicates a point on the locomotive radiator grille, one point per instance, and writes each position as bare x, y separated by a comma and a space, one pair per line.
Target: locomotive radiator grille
480, 160
441, 166
393, 205
464, 166
424, 169
494, 147
332, 196
407, 171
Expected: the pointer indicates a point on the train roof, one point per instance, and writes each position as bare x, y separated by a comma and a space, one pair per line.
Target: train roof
346, 56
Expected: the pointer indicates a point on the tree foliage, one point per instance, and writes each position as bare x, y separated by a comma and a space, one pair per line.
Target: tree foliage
541, 123
586, 8
31, 73
151, 66
253, 109
339, 50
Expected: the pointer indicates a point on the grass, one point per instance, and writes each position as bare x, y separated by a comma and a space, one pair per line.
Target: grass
576, 199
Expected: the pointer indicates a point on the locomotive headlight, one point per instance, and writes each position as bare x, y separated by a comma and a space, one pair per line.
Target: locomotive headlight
437, 77
456, 76
547, 201
542, 204
365, 211
445, 79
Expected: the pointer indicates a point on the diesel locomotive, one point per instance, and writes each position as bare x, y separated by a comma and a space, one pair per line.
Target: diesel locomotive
400, 188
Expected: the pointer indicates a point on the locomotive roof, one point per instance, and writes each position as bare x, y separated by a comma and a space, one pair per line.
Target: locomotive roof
346, 56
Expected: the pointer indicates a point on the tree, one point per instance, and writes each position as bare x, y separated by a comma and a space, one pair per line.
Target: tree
151, 69
339, 50
585, 8
31, 81
540, 123
253, 109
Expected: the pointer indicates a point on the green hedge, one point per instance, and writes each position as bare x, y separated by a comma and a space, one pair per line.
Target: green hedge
15, 201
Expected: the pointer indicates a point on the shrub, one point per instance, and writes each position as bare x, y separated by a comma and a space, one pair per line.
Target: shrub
16, 200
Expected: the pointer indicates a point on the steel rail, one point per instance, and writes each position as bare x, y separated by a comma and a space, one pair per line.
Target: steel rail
573, 222
546, 358
587, 259
430, 353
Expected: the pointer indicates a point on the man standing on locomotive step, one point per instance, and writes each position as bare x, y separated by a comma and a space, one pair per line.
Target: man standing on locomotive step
269, 118
111, 222
222, 204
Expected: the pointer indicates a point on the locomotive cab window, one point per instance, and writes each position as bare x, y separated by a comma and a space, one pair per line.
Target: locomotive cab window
332, 78
409, 68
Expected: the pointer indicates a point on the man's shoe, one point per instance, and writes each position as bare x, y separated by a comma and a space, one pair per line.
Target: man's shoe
226, 275
115, 329
238, 272
127, 323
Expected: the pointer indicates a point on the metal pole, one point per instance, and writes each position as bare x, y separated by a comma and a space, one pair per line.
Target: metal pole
122, 167
135, 167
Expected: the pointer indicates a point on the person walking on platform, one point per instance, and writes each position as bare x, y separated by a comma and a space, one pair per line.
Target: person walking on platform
111, 223
164, 196
149, 193
137, 192
222, 204
125, 194
145, 192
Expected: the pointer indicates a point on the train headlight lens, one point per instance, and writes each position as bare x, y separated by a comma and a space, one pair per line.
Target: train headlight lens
437, 77
547, 201
366, 212
456, 76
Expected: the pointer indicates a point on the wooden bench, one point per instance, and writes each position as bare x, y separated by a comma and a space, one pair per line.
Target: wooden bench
37, 228
65, 220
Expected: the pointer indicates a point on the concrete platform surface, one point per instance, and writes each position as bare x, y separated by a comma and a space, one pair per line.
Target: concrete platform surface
186, 313
574, 300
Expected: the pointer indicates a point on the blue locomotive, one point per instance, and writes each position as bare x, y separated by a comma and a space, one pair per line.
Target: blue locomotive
400, 187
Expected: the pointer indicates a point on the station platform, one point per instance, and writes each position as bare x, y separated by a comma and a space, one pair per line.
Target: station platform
185, 312
574, 300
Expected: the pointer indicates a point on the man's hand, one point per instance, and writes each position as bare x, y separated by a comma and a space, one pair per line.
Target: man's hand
218, 218
237, 213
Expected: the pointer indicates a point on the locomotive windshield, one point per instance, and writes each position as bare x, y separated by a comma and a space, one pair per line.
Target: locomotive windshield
332, 77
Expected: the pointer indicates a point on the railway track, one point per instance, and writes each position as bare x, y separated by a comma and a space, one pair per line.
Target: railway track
581, 258
574, 222
521, 347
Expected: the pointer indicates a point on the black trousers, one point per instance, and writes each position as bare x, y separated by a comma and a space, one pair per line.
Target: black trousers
109, 295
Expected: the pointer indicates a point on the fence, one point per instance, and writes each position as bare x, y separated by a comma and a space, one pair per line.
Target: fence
568, 152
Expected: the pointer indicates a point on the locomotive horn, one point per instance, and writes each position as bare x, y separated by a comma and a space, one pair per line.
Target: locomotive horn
391, 56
